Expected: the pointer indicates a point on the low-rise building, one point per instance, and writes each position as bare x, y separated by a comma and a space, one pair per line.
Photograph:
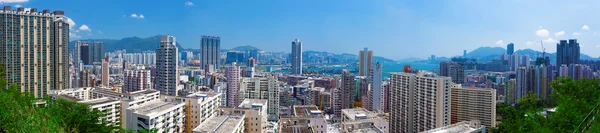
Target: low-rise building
356, 119
203, 104
164, 116
305, 119
255, 111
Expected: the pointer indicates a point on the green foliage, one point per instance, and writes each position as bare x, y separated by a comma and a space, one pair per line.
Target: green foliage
576, 103
19, 113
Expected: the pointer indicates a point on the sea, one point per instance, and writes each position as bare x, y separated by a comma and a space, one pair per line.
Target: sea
387, 68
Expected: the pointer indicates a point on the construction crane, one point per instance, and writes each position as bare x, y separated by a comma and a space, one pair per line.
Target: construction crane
543, 49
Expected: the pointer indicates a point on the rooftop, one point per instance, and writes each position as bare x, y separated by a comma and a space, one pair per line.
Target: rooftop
358, 113
154, 106
287, 125
203, 94
368, 130
306, 110
98, 101
220, 124
461, 127
249, 103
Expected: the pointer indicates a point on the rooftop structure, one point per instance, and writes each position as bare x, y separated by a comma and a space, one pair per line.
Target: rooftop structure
222, 124
359, 119
461, 127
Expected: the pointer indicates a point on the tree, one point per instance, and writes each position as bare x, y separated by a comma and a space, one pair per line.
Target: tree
577, 104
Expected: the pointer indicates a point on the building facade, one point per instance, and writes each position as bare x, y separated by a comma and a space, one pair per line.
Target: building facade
454, 71
35, 49
473, 104
210, 51
135, 80
377, 87
262, 88
567, 52
167, 74
365, 60
105, 72
296, 57
419, 101
232, 74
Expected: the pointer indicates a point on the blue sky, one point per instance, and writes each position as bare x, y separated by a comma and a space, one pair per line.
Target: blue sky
391, 28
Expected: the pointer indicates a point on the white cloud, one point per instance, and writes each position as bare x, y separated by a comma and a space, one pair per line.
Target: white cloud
576, 33
141, 16
18, 5
560, 33
73, 35
585, 27
549, 40
540, 27
85, 28
500, 42
189, 3
542, 33
71, 23
597, 46
76, 31
13, 1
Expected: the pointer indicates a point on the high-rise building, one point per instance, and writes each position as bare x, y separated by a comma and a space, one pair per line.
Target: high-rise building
343, 96
255, 110
210, 51
419, 102
521, 80
105, 72
96, 52
454, 71
296, 57
262, 88
473, 104
135, 80
567, 52
365, 60
377, 87
355, 119
204, 106
37, 62
167, 75
232, 74
84, 53
510, 48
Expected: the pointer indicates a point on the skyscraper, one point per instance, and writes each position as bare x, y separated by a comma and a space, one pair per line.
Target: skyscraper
37, 62
365, 60
296, 57
105, 72
453, 70
167, 75
84, 53
232, 74
419, 102
567, 52
210, 51
510, 48
96, 51
376, 82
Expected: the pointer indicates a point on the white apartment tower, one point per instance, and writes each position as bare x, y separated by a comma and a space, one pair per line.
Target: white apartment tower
296, 57
35, 49
377, 87
262, 88
167, 76
419, 102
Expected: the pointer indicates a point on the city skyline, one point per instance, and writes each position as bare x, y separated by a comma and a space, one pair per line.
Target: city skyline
440, 28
